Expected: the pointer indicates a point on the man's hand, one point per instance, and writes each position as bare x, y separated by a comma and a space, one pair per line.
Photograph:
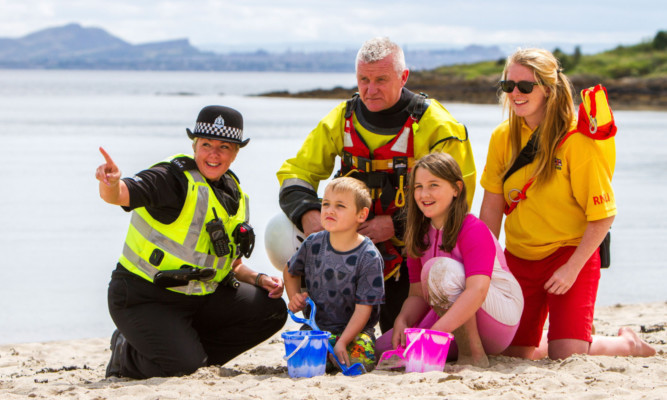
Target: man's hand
311, 222
379, 229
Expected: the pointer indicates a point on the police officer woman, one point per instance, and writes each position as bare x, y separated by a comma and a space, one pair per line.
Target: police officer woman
181, 296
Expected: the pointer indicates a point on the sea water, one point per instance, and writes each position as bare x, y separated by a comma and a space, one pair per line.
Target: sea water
59, 241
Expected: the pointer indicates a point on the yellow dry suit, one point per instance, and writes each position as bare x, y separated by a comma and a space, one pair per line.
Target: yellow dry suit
151, 246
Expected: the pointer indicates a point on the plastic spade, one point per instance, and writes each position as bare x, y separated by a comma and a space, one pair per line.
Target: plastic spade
352, 370
392, 359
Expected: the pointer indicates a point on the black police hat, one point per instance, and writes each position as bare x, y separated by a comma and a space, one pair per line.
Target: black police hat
219, 123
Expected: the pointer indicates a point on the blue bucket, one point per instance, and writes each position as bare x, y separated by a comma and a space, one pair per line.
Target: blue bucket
306, 353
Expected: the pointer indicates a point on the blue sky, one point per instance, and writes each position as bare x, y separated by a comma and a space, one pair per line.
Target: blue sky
307, 25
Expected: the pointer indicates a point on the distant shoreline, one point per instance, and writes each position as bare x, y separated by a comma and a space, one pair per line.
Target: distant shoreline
648, 94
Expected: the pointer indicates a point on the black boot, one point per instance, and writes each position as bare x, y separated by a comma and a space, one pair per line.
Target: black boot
118, 347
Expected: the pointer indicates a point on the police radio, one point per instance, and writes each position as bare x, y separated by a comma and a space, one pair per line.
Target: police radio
244, 237
219, 238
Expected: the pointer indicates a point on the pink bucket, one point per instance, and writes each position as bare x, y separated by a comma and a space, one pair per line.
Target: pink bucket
426, 350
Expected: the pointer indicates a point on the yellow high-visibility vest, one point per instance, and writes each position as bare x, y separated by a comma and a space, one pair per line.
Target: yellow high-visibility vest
151, 246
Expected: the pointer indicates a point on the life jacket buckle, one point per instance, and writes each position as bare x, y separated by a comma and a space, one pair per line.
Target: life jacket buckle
400, 163
364, 164
348, 159
519, 195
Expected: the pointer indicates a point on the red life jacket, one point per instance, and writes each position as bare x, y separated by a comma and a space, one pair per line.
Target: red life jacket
384, 170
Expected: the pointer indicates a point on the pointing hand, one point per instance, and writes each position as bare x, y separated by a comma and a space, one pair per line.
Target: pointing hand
108, 173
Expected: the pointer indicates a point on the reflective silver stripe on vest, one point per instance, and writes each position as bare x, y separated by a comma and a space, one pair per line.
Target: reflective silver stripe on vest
197, 177
183, 251
134, 258
247, 207
172, 247
198, 219
193, 287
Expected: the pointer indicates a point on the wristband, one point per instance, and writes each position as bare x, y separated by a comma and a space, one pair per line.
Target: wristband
258, 277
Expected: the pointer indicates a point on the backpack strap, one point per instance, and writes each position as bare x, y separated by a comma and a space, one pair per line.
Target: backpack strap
418, 105
525, 157
350, 105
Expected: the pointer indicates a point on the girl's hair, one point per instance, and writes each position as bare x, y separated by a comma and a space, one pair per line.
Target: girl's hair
559, 111
443, 166
362, 196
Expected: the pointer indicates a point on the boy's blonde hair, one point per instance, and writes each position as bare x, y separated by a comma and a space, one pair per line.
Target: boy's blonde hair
362, 196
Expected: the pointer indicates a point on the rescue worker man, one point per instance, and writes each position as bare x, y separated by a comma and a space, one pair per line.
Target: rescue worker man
180, 295
378, 134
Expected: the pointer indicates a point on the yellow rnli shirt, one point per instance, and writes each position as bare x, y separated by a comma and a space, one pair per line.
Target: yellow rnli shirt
555, 213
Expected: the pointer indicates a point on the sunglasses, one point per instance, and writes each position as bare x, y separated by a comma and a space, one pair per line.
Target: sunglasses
524, 86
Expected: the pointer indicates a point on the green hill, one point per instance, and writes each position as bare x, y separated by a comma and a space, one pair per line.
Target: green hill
635, 77
644, 60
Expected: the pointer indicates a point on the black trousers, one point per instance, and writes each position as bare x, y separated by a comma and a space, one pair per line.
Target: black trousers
395, 293
171, 334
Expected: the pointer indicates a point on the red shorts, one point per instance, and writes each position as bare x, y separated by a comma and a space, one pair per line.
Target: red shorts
570, 314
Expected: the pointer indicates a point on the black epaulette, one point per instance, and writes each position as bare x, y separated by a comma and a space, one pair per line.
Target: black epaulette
184, 163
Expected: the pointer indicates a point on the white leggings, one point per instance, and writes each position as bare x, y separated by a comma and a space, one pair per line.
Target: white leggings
443, 280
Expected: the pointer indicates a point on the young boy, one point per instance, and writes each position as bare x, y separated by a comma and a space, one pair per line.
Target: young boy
343, 274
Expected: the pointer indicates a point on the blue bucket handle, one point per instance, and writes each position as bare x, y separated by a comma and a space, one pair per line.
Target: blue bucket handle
352, 370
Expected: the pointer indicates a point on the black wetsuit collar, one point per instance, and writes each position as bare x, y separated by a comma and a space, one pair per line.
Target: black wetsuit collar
392, 117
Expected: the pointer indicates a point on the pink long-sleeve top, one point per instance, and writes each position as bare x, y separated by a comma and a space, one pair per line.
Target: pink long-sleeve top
476, 248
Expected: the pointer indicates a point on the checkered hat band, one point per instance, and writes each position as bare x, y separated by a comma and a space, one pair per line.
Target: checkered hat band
229, 132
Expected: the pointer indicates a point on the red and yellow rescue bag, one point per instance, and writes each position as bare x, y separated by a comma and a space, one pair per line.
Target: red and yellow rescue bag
595, 117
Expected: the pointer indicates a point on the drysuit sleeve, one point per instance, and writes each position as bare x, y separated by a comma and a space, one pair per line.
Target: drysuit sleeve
440, 131
299, 176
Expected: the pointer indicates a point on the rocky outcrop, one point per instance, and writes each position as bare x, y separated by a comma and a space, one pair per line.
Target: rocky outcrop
626, 93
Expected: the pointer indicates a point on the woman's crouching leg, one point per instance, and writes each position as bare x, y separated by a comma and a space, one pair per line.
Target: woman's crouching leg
236, 320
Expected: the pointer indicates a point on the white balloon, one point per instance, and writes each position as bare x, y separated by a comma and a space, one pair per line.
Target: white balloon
281, 240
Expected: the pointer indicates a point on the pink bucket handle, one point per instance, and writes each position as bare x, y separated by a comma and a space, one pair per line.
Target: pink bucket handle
419, 335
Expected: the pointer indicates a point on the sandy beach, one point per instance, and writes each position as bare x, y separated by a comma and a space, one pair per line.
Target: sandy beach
75, 370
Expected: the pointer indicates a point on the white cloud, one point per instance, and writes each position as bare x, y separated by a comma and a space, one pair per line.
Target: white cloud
257, 22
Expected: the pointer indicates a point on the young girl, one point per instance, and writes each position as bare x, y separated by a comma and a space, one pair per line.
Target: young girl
459, 281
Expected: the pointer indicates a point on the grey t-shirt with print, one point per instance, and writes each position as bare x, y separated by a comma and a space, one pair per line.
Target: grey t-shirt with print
337, 281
